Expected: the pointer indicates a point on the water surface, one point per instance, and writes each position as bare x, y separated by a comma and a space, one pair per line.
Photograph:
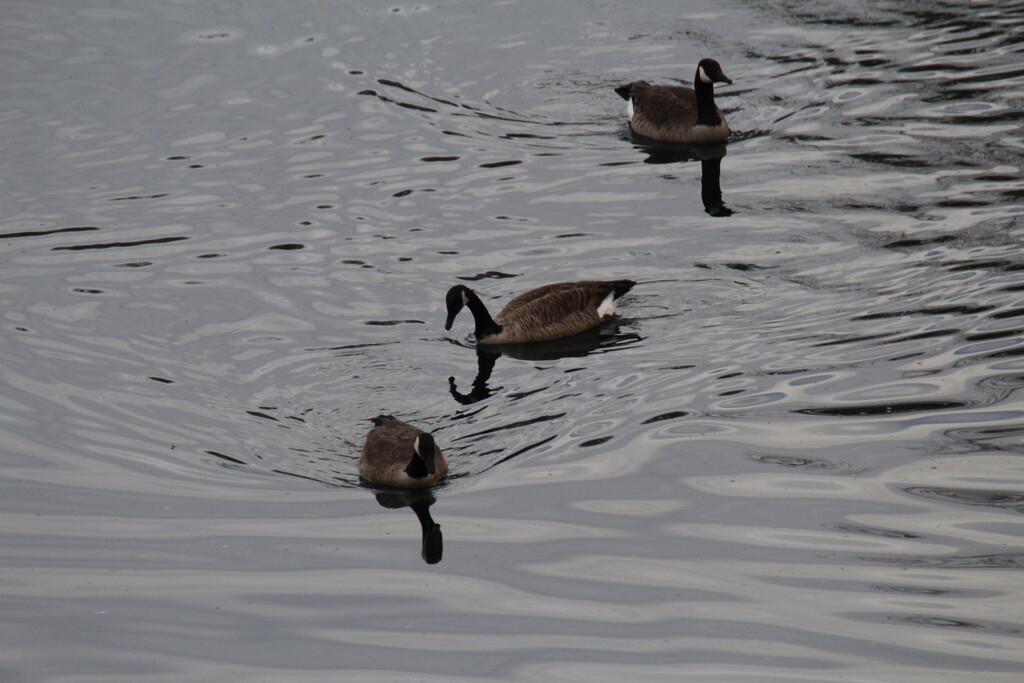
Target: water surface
227, 235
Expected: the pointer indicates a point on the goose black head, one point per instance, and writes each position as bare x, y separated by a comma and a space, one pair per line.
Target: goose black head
423, 447
457, 297
709, 71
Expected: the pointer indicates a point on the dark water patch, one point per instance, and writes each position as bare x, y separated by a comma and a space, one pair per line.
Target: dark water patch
82, 290
38, 233
432, 159
519, 395
288, 246
513, 425
489, 275
256, 413
520, 451
874, 531
988, 439
228, 458
803, 463
919, 336
993, 561
133, 197
399, 103
671, 415
500, 164
119, 245
962, 203
134, 264
892, 159
855, 339
913, 590
930, 67
1007, 500
596, 442
951, 622
884, 408
336, 481
526, 136
1009, 381
1004, 265
162, 380
386, 323
1013, 352
957, 309
402, 86
911, 243
1012, 313
355, 349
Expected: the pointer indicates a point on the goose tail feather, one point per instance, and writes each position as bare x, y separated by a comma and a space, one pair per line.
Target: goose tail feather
620, 287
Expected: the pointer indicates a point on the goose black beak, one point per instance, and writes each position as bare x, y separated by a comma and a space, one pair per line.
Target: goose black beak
449, 321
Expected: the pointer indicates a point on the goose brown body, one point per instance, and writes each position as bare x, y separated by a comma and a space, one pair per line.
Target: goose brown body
401, 455
542, 314
676, 113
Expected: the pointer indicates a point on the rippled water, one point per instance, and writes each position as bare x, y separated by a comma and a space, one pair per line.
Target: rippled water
227, 231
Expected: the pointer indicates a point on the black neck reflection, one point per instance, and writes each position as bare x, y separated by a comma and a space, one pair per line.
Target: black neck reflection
432, 546
604, 337
710, 157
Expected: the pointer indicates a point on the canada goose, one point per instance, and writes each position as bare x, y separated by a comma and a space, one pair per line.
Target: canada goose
398, 454
541, 314
675, 113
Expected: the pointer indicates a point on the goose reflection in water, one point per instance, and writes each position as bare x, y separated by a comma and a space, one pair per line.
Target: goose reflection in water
419, 501
710, 158
606, 337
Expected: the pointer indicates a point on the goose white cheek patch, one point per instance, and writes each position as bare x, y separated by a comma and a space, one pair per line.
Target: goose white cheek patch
703, 76
629, 107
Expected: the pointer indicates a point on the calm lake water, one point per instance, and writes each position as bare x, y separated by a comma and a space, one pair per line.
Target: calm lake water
227, 230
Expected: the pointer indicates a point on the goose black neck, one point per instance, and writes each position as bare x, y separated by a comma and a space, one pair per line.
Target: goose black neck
417, 469
707, 112
485, 325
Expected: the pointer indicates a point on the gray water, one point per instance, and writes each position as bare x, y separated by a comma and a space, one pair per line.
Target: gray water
227, 230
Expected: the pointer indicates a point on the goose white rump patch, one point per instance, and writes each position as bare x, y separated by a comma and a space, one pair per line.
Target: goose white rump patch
607, 306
